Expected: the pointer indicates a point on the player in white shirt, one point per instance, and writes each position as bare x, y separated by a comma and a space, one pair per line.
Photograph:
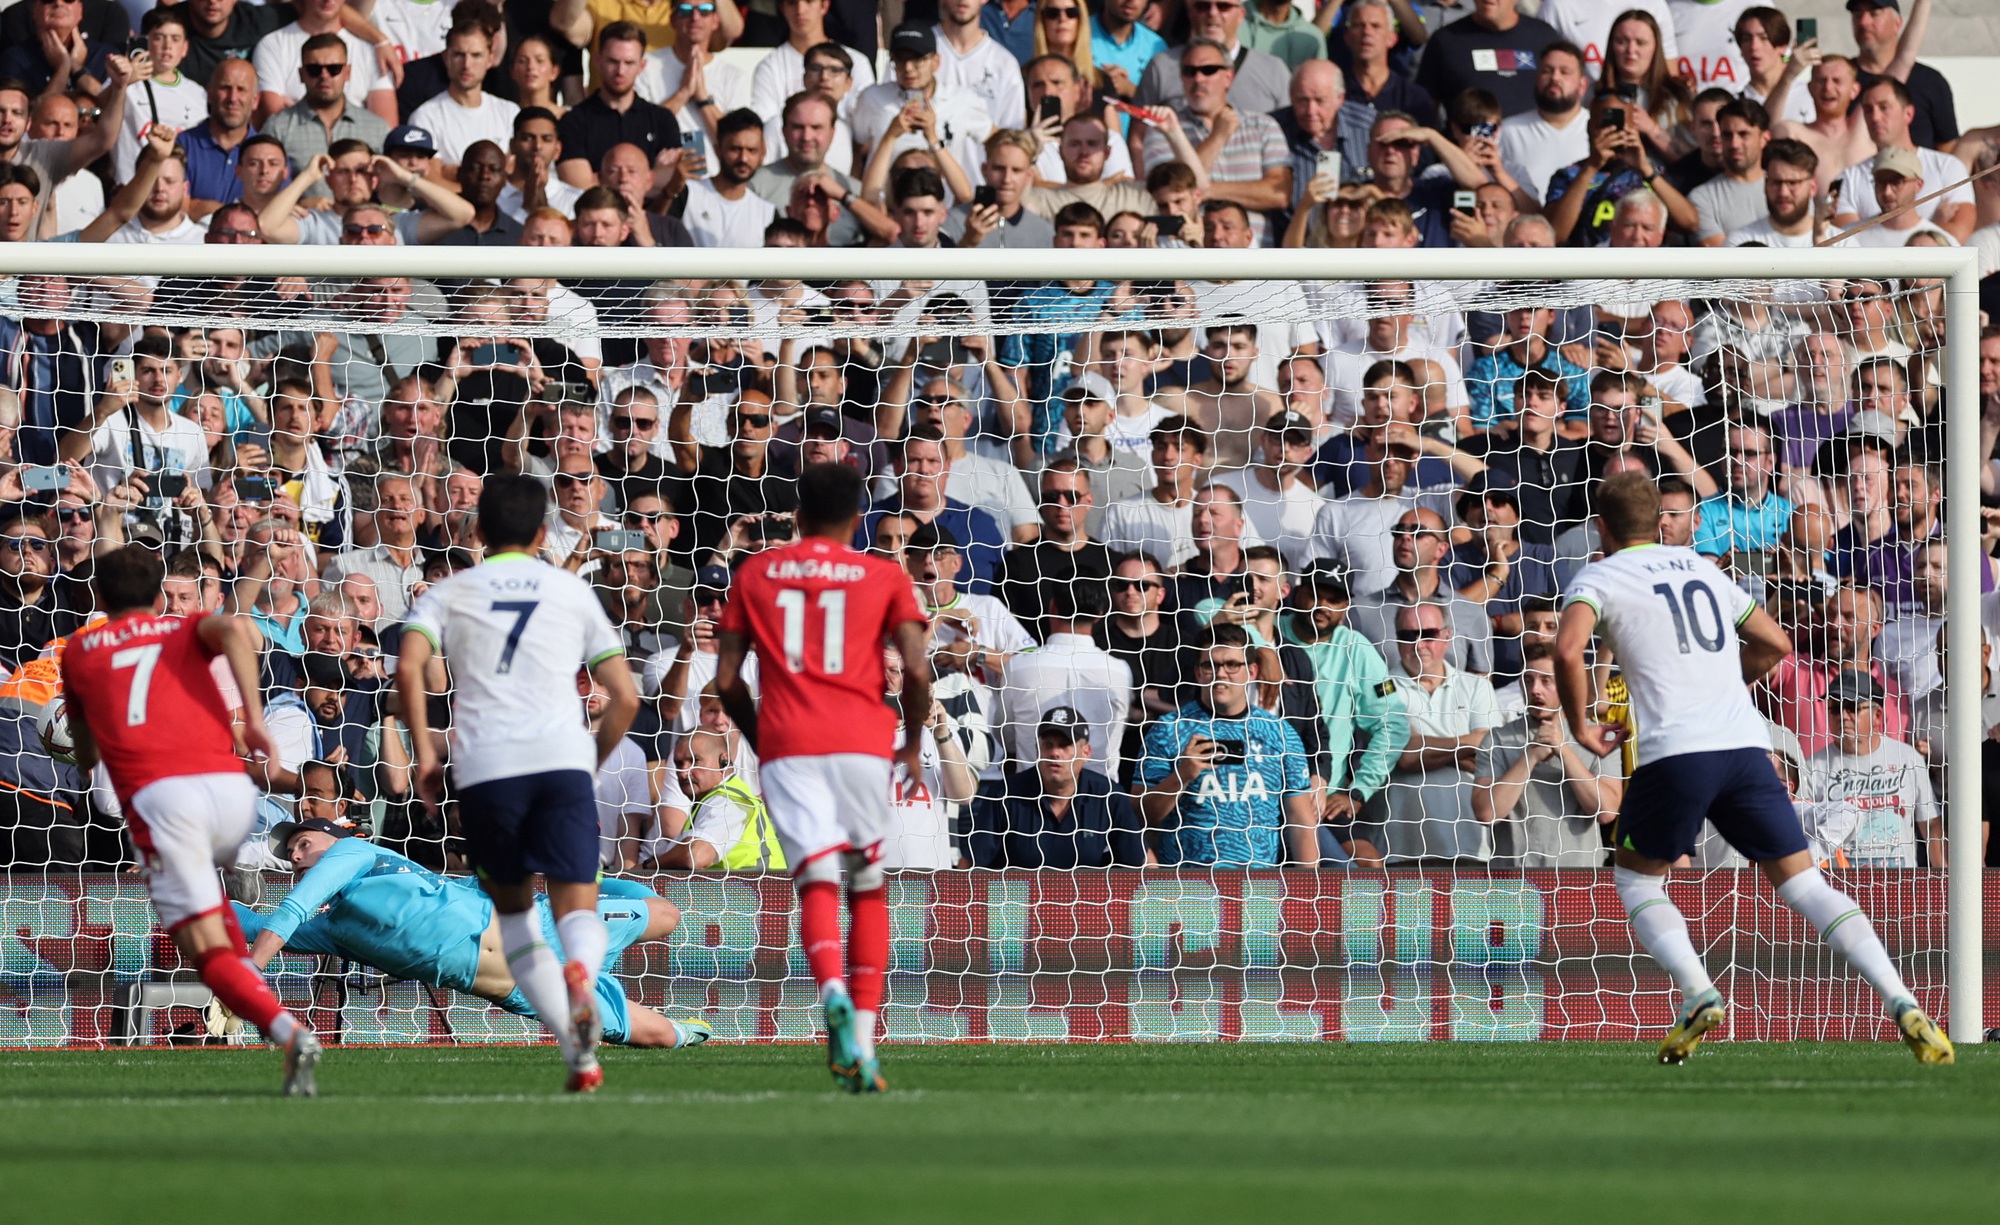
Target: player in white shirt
1688, 642
514, 631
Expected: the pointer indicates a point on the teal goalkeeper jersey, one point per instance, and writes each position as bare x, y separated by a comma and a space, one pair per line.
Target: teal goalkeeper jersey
378, 907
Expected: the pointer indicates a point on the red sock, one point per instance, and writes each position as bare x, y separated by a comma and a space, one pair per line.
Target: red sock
239, 986
867, 947
819, 928
235, 930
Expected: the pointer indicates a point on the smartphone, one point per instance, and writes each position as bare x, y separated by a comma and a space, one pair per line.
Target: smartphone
1168, 225
984, 196
1806, 28
1229, 753
1627, 92
1611, 117
168, 485
1049, 108
497, 355
620, 540
912, 95
37, 479
1464, 201
1833, 191
1327, 163
1484, 131
254, 488
121, 369
693, 143
772, 527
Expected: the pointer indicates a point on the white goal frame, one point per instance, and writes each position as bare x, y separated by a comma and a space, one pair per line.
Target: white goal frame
1957, 267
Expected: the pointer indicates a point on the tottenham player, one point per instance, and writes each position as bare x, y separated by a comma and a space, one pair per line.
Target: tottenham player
366, 903
817, 613
142, 699
513, 630
1689, 641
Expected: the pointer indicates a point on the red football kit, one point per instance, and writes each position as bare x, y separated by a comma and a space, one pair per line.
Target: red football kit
818, 613
144, 685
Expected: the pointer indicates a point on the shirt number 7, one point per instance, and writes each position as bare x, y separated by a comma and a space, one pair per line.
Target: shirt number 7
522, 610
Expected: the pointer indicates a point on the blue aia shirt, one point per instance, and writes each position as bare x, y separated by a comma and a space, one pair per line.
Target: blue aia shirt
1234, 814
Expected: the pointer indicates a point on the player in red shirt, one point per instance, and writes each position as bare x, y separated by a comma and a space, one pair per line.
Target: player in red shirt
817, 613
142, 699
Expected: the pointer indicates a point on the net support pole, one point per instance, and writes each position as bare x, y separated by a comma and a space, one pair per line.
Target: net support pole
1964, 730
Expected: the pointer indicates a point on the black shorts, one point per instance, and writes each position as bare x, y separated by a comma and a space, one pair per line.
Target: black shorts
1737, 789
546, 823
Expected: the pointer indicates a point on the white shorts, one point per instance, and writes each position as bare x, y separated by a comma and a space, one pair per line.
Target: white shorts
185, 827
832, 803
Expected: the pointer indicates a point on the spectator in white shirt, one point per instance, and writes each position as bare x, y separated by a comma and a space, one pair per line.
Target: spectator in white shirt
1790, 185
1160, 522
969, 59
533, 182
1068, 670
1888, 110
782, 71
278, 56
164, 217
1898, 180
166, 96
687, 79
722, 211
962, 121
465, 113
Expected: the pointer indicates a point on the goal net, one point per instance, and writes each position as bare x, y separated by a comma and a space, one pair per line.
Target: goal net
1242, 567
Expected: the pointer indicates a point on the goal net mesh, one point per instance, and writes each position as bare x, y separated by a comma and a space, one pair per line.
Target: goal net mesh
1302, 542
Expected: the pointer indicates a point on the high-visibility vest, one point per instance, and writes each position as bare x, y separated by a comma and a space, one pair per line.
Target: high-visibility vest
758, 847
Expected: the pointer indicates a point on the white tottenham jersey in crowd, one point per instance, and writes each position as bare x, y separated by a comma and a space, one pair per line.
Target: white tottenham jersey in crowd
515, 630
1671, 615
1587, 23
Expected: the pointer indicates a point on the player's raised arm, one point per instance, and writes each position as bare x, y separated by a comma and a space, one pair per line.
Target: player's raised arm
1765, 643
910, 640
413, 661
621, 703
237, 639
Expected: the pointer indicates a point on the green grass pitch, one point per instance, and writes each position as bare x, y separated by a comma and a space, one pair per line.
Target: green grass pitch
1338, 1132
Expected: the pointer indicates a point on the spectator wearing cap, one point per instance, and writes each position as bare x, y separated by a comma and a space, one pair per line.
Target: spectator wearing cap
1837, 638
325, 115
1063, 554
1059, 812
465, 113
1546, 796
674, 675
941, 113
1115, 472
615, 114
1898, 182
213, 145
1496, 568
825, 435
1069, 672
1420, 547
1355, 707
1889, 109
1883, 777
922, 468
1275, 492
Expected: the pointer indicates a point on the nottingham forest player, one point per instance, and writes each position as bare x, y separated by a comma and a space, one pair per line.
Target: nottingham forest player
818, 613
514, 630
142, 699
1688, 640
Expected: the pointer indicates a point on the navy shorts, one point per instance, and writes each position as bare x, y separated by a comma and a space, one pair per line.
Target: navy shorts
546, 823
1738, 789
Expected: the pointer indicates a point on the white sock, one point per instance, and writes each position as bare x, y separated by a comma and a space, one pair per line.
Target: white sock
1847, 931
1662, 930
538, 974
830, 986
864, 1032
584, 938
283, 1026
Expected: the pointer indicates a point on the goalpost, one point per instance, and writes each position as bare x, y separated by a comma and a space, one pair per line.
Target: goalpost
1422, 950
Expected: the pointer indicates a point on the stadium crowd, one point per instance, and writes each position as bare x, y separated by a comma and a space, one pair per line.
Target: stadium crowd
1210, 585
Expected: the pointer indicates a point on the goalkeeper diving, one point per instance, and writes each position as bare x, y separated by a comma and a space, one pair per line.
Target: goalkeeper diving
368, 904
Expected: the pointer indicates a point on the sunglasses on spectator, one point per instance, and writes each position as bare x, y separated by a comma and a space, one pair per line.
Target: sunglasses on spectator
1069, 14
932, 402
1413, 529
625, 421
689, 10
228, 235
646, 517
1067, 497
1214, 6
70, 514
1418, 635
575, 478
756, 421
24, 543
1202, 70
1138, 584
355, 229
323, 70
